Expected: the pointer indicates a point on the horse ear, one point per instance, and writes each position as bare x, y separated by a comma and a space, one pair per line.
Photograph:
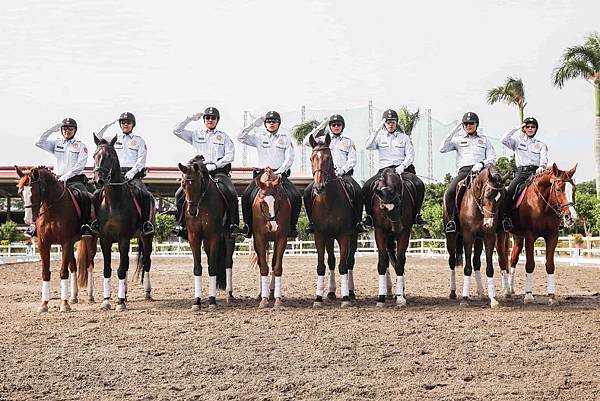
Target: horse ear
35, 174
259, 183
572, 171
327, 139
203, 169
311, 140
554, 169
276, 180
96, 139
112, 141
20, 173
182, 168
196, 167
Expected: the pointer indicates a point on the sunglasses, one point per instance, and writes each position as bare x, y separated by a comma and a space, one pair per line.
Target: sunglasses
271, 121
126, 122
530, 126
390, 121
68, 128
335, 124
210, 117
468, 123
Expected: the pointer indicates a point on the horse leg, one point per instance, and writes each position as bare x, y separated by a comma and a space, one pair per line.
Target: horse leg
212, 252
343, 241
73, 279
67, 256
44, 250
272, 281
529, 267
196, 246
382, 265
320, 244
401, 246
451, 247
468, 247
146, 242
229, 248
501, 244
551, 242
260, 247
478, 249
122, 273
489, 269
278, 267
329, 246
514, 259
106, 249
351, 262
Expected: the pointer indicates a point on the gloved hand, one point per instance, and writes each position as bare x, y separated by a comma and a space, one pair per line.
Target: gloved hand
129, 175
339, 172
112, 122
540, 170
62, 178
323, 124
258, 122
197, 116
380, 126
400, 169
56, 127
211, 167
477, 167
457, 127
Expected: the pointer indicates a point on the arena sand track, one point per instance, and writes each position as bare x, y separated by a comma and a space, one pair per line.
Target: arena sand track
433, 350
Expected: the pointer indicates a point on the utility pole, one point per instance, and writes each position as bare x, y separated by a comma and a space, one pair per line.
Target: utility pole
303, 148
429, 146
245, 147
371, 162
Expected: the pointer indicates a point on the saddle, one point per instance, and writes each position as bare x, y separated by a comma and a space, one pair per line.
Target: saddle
407, 185
347, 188
461, 188
520, 191
81, 199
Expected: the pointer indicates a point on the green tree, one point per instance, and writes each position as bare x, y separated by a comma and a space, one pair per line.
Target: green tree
9, 232
584, 206
407, 120
583, 61
165, 223
299, 132
507, 166
512, 92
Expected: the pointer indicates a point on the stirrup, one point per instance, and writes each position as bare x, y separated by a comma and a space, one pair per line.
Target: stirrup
310, 228
31, 231
419, 220
360, 228
451, 227
234, 229
507, 224
368, 221
86, 231
245, 231
147, 228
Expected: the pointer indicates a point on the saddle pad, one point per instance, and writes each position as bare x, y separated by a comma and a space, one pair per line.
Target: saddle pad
136, 202
75, 202
521, 196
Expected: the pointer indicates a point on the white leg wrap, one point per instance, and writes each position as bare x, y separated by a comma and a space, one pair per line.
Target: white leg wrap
382, 284
551, 284
350, 280
147, 282
331, 280
277, 287
64, 289
466, 286
491, 287
212, 286
197, 286
264, 286
73, 282
388, 280
106, 293
320, 285
229, 285
511, 278
45, 291
344, 285
126, 288
479, 282
122, 288
400, 286
505, 280
452, 280
529, 282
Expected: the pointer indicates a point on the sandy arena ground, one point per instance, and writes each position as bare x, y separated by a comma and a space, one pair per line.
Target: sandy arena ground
433, 350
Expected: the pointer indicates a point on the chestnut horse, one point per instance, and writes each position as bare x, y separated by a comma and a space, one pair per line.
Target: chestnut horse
48, 204
205, 210
548, 202
333, 218
118, 219
478, 222
393, 216
271, 212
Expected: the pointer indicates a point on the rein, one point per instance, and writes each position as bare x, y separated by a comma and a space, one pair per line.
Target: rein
558, 209
325, 172
479, 200
42, 191
197, 204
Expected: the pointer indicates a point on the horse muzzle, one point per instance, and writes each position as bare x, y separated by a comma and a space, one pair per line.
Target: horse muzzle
488, 222
319, 188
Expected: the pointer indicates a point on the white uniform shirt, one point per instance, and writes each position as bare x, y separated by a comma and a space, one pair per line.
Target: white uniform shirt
342, 149
131, 149
470, 149
394, 148
528, 151
214, 145
274, 150
71, 155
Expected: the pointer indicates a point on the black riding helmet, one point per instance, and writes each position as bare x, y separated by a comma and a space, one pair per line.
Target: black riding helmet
273, 115
212, 111
470, 117
127, 116
69, 122
390, 115
531, 120
336, 118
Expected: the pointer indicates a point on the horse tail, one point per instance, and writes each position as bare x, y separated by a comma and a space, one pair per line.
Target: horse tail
86, 250
221, 276
254, 260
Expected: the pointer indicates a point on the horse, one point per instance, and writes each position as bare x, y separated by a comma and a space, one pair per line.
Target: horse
478, 223
48, 203
206, 211
118, 216
271, 213
547, 202
393, 216
333, 219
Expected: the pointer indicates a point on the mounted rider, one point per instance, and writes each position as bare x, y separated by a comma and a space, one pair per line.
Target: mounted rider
132, 151
473, 152
531, 156
396, 151
343, 152
71, 156
218, 151
275, 150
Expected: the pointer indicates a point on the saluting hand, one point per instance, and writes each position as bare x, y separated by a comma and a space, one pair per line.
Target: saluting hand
258, 122
197, 116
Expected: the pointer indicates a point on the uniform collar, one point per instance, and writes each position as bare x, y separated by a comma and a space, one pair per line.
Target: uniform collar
395, 133
210, 131
476, 135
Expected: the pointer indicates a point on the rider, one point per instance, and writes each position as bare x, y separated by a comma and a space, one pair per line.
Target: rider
531, 156
218, 152
275, 150
71, 156
395, 151
131, 150
344, 160
474, 151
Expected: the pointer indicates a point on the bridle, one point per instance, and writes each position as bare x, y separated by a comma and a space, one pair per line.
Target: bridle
204, 188
42, 191
107, 174
558, 209
395, 200
326, 172
479, 199
275, 192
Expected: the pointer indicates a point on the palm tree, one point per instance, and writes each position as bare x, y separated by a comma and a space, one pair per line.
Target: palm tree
298, 133
512, 92
584, 62
407, 120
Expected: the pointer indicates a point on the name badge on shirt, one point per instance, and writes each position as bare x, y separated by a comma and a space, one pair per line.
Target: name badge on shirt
384, 143
118, 145
522, 146
59, 148
266, 143
201, 138
463, 143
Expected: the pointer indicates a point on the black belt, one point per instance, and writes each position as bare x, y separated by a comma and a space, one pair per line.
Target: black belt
258, 171
527, 168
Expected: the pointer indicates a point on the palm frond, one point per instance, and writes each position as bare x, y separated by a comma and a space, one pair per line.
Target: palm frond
407, 120
512, 92
582, 61
301, 130
570, 70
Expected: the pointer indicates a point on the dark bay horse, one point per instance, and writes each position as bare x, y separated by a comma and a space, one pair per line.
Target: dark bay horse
333, 218
118, 218
393, 215
271, 212
47, 203
548, 202
478, 221
205, 213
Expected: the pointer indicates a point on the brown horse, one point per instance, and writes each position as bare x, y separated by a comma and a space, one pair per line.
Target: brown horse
548, 202
48, 204
205, 213
271, 212
393, 216
333, 219
478, 221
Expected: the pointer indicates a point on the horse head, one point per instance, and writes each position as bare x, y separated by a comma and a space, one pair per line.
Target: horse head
194, 182
321, 161
561, 196
32, 188
488, 192
389, 189
270, 193
106, 162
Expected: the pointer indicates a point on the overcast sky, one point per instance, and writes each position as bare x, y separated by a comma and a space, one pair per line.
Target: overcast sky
165, 60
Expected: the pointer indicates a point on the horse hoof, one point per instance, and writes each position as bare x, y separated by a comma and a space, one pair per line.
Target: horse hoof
317, 304
390, 295
552, 301
278, 304
148, 296
263, 303
65, 308
74, 301
346, 304
464, 302
507, 293
331, 296
452, 294
230, 298
42, 309
380, 304
91, 300
352, 296
400, 302
195, 308
120, 307
105, 305
528, 299
494, 303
